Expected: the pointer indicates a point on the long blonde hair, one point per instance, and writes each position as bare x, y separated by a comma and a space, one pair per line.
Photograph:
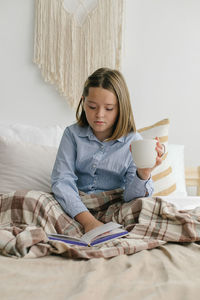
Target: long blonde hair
113, 81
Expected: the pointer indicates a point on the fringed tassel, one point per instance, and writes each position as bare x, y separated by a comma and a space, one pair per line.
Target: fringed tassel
67, 53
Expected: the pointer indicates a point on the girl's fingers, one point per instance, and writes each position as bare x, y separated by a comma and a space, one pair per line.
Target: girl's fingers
160, 149
160, 152
158, 161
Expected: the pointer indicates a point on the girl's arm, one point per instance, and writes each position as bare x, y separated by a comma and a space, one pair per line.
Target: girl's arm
64, 184
64, 179
145, 174
135, 186
138, 181
88, 221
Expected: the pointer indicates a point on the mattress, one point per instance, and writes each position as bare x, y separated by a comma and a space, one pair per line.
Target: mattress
170, 271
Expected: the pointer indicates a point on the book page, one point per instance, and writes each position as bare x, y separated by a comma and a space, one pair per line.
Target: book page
105, 237
90, 235
63, 236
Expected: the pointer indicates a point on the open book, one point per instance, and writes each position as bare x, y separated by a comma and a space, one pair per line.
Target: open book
101, 234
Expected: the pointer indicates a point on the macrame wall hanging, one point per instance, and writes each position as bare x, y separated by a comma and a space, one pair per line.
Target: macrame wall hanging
75, 37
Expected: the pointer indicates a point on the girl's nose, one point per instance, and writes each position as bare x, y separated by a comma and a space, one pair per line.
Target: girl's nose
100, 112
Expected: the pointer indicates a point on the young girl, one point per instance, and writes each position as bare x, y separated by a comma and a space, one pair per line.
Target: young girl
94, 154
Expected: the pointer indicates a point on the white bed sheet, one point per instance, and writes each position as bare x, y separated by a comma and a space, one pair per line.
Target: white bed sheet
185, 202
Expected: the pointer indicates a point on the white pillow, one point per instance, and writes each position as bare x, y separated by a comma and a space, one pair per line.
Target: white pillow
25, 166
163, 177
49, 135
169, 177
29, 165
176, 159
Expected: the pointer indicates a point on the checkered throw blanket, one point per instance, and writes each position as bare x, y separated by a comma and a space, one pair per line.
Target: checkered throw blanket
27, 216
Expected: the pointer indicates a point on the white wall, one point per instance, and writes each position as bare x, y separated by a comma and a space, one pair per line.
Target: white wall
25, 97
162, 67
161, 63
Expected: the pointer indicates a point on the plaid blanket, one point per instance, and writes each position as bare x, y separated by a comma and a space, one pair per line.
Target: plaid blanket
27, 216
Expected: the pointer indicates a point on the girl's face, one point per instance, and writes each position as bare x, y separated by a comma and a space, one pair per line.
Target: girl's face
101, 109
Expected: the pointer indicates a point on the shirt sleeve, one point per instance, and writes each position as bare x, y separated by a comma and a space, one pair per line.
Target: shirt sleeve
64, 178
136, 187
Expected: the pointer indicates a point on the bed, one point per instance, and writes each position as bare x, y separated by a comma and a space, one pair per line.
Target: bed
169, 270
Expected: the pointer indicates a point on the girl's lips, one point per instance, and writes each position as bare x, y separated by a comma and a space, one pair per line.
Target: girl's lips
99, 122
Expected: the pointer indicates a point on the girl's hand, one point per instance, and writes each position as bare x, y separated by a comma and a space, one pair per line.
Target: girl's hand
160, 148
92, 225
88, 221
146, 173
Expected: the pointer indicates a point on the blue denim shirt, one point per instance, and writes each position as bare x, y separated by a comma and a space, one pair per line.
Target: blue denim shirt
87, 164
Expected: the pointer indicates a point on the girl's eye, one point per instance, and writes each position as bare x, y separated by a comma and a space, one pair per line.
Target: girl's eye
94, 107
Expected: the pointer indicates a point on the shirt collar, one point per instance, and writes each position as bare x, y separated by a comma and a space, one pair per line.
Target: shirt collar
87, 132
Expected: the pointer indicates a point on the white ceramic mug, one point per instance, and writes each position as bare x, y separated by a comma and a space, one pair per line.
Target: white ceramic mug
144, 153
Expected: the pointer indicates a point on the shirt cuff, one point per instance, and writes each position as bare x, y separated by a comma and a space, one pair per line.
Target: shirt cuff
143, 187
75, 212
72, 207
